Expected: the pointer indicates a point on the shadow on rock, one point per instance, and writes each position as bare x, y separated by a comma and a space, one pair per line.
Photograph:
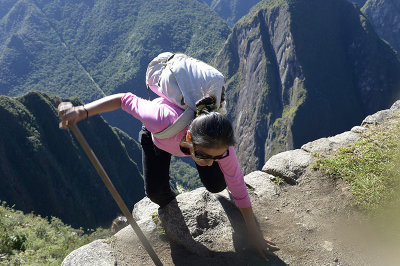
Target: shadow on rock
177, 230
183, 240
181, 257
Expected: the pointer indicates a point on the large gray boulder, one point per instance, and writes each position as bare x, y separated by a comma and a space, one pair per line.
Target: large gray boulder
195, 220
345, 138
261, 184
358, 129
378, 117
326, 146
289, 165
98, 252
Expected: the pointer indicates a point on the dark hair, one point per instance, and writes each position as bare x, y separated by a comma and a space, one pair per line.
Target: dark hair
210, 128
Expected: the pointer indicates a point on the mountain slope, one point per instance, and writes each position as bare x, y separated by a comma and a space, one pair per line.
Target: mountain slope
384, 16
300, 70
86, 48
43, 168
231, 10
90, 49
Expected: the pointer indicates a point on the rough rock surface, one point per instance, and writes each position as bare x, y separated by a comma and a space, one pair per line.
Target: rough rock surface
358, 129
196, 220
98, 252
395, 106
289, 165
261, 184
378, 117
331, 144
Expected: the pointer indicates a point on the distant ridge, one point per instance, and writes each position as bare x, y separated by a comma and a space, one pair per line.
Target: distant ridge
231, 10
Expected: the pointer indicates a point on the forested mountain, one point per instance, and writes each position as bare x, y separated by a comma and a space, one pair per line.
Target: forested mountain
92, 48
49, 44
44, 169
231, 10
301, 70
384, 15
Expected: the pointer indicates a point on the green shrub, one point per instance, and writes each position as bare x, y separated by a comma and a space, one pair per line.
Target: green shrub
27, 239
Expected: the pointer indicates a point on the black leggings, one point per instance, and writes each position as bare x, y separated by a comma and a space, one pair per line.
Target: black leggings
156, 172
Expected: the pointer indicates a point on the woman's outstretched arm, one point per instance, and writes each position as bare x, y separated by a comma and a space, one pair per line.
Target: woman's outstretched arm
72, 114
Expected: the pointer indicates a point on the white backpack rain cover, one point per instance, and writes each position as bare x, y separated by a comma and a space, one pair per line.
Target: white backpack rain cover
183, 80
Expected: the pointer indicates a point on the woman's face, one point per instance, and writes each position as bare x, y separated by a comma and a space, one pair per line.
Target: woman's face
198, 152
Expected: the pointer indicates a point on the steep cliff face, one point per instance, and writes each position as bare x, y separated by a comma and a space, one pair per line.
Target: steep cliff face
264, 77
385, 17
300, 70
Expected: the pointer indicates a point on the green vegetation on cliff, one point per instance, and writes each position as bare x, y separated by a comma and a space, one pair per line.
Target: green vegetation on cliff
43, 168
28, 239
89, 49
371, 166
183, 174
68, 48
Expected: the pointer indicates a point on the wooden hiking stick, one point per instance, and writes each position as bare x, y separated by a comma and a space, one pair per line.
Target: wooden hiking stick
114, 193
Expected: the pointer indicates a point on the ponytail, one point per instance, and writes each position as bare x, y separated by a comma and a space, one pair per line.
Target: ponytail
210, 128
206, 105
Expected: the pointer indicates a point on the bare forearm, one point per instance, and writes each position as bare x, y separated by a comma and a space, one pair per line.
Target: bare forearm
70, 114
106, 104
249, 219
256, 238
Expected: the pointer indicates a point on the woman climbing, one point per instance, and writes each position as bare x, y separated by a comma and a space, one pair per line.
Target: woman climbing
208, 139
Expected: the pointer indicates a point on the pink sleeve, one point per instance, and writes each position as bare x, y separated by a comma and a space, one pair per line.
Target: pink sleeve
154, 115
234, 179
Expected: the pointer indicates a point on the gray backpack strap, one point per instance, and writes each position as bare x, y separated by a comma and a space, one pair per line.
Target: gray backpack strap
183, 120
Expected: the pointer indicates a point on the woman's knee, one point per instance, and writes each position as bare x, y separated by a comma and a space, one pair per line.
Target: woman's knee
160, 197
216, 188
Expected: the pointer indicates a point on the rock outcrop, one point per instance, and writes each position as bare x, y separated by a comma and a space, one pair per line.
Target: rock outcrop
289, 165
210, 228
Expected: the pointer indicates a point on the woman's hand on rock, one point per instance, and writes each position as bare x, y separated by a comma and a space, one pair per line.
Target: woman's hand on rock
262, 246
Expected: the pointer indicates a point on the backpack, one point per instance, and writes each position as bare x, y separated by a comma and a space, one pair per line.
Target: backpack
183, 81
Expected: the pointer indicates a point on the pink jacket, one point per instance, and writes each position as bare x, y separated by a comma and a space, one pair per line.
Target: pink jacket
158, 114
